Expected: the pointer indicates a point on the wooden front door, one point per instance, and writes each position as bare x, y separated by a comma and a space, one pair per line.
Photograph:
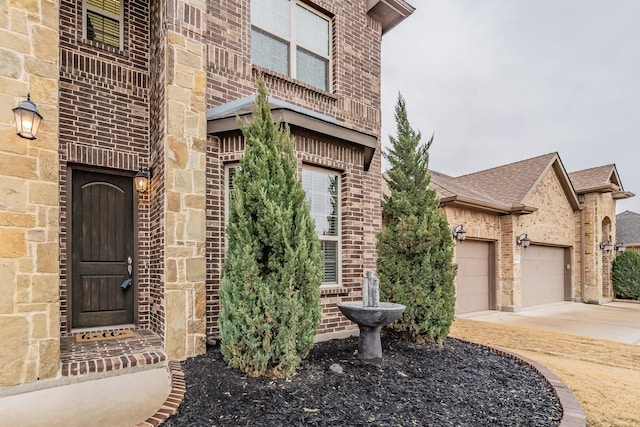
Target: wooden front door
102, 250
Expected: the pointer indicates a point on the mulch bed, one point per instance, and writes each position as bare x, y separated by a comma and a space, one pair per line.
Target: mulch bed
459, 384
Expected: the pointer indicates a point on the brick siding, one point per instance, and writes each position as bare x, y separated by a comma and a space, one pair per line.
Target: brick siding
104, 121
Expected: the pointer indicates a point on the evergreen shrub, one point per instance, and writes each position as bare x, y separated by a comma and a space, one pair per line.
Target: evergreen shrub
626, 275
415, 248
269, 292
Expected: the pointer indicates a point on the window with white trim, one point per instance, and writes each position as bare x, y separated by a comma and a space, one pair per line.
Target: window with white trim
289, 37
323, 196
103, 21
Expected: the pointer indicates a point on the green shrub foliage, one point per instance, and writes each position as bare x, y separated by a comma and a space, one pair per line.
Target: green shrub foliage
626, 275
415, 248
270, 298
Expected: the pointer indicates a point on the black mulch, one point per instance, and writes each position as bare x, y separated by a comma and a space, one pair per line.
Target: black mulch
413, 385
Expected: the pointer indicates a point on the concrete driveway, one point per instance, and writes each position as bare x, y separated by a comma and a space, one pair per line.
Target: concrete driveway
616, 321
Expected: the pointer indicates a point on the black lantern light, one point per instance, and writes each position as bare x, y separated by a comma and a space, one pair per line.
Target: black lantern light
459, 233
523, 240
142, 179
27, 119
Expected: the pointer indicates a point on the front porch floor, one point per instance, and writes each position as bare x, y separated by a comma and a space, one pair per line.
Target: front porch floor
143, 349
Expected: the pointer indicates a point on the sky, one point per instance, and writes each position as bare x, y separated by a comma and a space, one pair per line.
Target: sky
500, 81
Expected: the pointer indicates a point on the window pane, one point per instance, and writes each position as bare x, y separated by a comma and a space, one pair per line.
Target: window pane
312, 69
269, 52
112, 6
322, 195
231, 171
103, 29
330, 261
312, 31
272, 15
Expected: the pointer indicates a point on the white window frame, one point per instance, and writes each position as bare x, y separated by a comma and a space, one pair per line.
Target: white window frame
120, 18
338, 237
293, 45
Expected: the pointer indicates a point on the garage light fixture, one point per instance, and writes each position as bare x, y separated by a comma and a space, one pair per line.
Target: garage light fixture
606, 246
459, 233
523, 240
620, 247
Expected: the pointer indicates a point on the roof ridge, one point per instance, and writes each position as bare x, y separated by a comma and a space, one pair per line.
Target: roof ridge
508, 164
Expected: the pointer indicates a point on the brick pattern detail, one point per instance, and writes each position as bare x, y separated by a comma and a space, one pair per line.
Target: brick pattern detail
104, 121
157, 116
102, 157
175, 398
103, 356
356, 45
354, 101
360, 213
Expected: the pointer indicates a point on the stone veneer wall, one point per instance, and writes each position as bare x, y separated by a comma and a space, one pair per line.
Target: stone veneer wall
598, 206
354, 101
29, 311
184, 178
104, 122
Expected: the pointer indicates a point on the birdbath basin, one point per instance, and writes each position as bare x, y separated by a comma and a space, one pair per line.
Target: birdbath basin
370, 320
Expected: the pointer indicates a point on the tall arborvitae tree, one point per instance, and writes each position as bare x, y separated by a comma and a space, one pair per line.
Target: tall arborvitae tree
415, 248
270, 298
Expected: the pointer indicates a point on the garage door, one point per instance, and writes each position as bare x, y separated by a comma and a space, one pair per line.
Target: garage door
543, 271
473, 290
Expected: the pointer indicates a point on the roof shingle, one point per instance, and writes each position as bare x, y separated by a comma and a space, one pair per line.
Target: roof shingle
628, 228
597, 177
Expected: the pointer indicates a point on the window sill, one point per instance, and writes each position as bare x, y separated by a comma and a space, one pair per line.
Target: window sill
270, 74
331, 290
104, 46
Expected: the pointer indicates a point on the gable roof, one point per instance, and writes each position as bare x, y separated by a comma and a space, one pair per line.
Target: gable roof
505, 188
601, 179
224, 118
501, 190
628, 227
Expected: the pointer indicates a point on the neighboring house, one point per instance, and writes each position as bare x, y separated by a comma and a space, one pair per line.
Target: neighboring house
565, 219
628, 230
125, 86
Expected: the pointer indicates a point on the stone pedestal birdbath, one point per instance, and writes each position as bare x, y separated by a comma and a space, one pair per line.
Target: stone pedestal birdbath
370, 315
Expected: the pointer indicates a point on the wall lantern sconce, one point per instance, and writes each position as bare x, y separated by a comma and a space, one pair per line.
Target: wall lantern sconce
142, 179
523, 240
27, 119
459, 233
620, 247
606, 246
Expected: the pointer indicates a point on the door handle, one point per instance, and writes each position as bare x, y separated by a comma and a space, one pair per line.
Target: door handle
129, 267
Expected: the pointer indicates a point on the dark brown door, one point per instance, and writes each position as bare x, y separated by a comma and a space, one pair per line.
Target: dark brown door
102, 249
